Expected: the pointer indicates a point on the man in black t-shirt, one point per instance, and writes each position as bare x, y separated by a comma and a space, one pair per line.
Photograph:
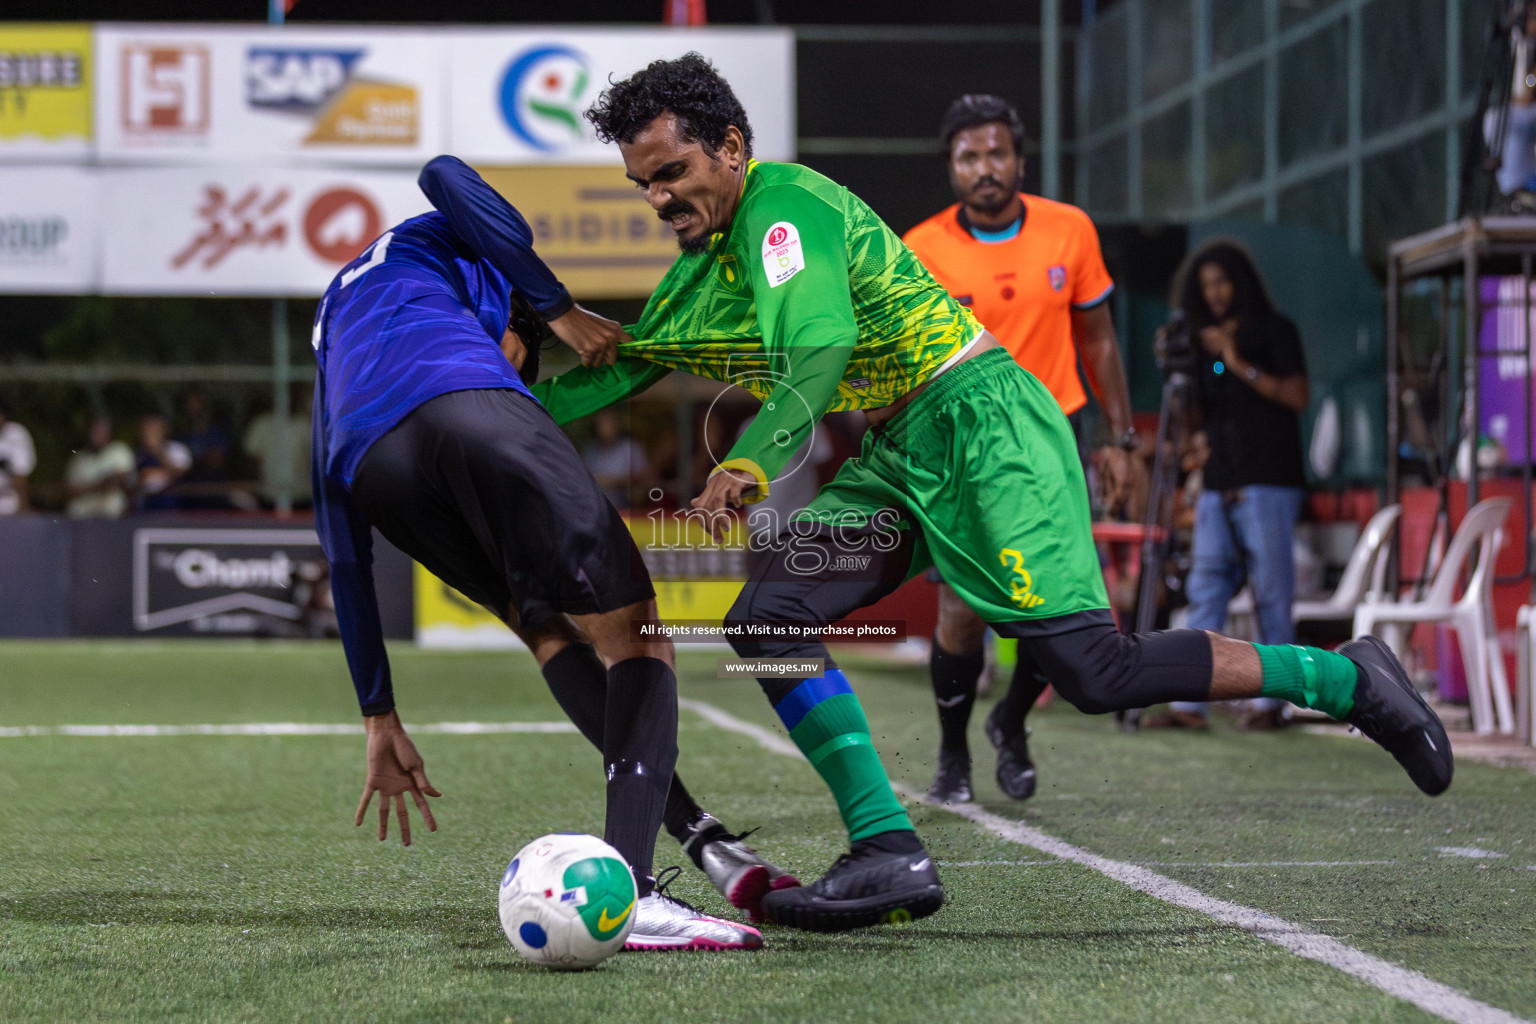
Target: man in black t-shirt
1252, 386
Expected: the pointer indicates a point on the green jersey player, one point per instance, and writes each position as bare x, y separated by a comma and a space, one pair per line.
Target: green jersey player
791, 287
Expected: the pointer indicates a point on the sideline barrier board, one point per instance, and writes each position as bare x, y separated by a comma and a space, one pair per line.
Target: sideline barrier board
244, 231
695, 580
50, 229
46, 79
277, 153
224, 94
174, 575
517, 96
34, 576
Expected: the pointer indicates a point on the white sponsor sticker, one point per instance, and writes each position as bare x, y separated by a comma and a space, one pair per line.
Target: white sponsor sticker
782, 256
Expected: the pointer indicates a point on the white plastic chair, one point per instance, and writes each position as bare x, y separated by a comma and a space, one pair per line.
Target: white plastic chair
1471, 615
1525, 700
1366, 568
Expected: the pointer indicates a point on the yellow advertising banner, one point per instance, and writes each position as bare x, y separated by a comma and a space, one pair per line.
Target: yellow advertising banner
696, 580
45, 84
591, 225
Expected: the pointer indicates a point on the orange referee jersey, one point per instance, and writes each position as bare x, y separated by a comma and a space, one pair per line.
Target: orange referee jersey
1025, 289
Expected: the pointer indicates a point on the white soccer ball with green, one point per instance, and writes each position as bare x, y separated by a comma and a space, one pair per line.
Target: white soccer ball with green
568, 901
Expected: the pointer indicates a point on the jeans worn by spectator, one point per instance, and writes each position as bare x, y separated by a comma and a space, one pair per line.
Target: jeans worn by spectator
1245, 536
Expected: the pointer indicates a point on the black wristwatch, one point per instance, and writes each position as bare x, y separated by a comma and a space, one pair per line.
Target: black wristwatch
1130, 440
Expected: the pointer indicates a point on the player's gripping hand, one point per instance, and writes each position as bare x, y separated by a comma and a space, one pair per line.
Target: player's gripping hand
393, 768
595, 338
726, 489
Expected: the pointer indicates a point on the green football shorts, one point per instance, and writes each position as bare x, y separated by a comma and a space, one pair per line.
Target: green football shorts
984, 467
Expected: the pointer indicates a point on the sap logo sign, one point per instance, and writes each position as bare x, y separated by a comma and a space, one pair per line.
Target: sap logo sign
298, 80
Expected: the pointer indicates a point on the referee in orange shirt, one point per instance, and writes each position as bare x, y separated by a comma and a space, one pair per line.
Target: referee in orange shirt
1031, 271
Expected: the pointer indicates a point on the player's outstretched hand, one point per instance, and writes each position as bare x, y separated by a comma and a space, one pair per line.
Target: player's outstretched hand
595, 338
394, 768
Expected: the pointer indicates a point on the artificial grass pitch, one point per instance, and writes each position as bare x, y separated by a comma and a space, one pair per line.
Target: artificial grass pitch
220, 877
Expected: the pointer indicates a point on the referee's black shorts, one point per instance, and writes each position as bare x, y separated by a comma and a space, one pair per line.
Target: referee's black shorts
483, 489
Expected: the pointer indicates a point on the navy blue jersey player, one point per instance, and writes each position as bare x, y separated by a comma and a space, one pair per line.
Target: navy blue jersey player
425, 430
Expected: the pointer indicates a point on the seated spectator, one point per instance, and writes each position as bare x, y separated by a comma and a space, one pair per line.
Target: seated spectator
98, 478
160, 462
206, 440
18, 458
615, 460
206, 483
259, 439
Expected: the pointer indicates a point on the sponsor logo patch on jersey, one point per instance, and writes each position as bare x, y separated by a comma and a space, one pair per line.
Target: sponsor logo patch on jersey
782, 256
727, 272
1057, 275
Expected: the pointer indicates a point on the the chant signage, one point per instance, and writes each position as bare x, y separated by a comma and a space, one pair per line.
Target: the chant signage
222, 581
175, 575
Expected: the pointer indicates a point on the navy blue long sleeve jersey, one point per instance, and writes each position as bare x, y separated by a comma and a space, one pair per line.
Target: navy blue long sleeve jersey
419, 314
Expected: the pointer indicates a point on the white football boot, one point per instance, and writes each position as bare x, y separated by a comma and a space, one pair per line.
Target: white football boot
741, 874
664, 922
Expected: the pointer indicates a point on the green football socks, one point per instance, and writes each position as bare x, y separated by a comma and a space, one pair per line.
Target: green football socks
1309, 677
827, 723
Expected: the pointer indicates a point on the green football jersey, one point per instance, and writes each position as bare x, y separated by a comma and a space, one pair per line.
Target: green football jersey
808, 301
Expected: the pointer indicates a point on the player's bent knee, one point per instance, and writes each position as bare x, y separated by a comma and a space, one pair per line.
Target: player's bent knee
961, 635
1092, 669
1089, 694
633, 631
736, 621
1098, 669
762, 605
548, 638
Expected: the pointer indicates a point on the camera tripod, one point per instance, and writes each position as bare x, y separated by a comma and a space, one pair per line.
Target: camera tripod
1157, 539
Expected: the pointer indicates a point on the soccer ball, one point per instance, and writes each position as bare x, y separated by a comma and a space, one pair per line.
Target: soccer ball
568, 901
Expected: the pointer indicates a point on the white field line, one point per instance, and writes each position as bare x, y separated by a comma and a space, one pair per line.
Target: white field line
998, 863
276, 729
1262, 863
1400, 982
1173, 863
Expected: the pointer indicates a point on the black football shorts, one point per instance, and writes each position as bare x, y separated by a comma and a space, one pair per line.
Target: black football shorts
484, 490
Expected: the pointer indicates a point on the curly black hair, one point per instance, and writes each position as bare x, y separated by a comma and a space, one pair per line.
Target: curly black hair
689, 88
